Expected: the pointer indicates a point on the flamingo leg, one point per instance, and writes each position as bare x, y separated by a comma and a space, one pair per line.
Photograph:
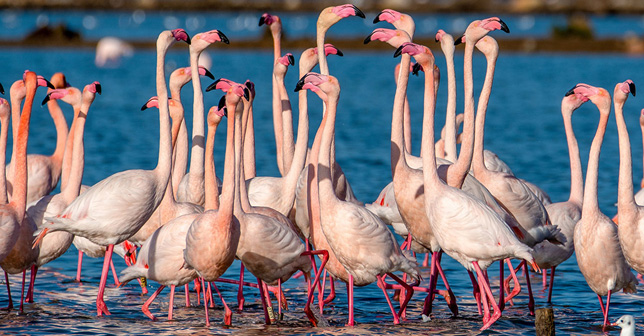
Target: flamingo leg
269, 303
116, 279
22, 291
350, 298
331, 296
146, 305
171, 302
32, 279
476, 292
530, 296
198, 289
10, 306
409, 290
187, 290
486, 287
316, 280
208, 291
517, 285
601, 304
228, 315
263, 297
240, 290
552, 283
205, 303
80, 266
606, 312
486, 306
450, 298
101, 308
426, 260
427, 307
544, 279
279, 298
501, 289
393, 311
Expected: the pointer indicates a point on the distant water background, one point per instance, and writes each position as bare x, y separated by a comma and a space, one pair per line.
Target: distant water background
524, 127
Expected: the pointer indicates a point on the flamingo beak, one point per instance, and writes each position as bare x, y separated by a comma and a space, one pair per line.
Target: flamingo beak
359, 12
368, 38
44, 101
262, 20
223, 37
504, 27
212, 86
631, 87
291, 59
571, 91
1, 89
99, 90
459, 40
209, 74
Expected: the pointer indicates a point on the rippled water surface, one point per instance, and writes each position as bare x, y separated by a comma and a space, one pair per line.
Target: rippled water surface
524, 128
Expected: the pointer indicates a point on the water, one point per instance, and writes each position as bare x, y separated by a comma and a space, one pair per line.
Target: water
524, 128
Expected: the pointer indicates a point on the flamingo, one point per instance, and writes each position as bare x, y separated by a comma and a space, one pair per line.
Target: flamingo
178, 79
161, 256
361, 242
44, 170
115, 208
57, 243
639, 197
627, 209
191, 188
599, 255
16, 254
466, 229
564, 214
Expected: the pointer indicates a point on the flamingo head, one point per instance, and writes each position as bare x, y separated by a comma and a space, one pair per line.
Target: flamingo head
479, 28
622, 90
421, 53
416, 68
152, 102
59, 81
398, 19
309, 57
488, 46
215, 115
394, 37
209, 37
251, 88
273, 22
231, 89
40, 80
599, 96
330, 49
571, 102
332, 15
287, 60
222, 110
93, 87
322, 85
180, 35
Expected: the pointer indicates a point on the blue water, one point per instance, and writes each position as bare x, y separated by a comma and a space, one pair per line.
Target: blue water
524, 127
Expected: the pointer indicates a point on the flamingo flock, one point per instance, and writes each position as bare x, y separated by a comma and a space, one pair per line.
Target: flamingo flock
180, 225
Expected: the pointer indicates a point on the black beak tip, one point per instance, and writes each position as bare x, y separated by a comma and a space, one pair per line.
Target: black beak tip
398, 52
144, 107
223, 37
99, 89
222, 102
49, 85
571, 91
367, 39
459, 40
504, 26
416, 69
209, 74
1, 89
291, 60
44, 101
339, 52
261, 21
359, 12
246, 93
377, 18
631, 87
212, 86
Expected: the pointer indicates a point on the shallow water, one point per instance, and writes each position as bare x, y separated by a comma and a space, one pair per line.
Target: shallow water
524, 128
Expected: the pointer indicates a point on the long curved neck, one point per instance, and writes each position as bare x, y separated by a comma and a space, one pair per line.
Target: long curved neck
590, 190
398, 161
321, 32
430, 174
198, 146
19, 195
229, 198
164, 164
450, 117
245, 202
301, 146
278, 123
250, 170
69, 148
61, 131
625, 196
210, 182
4, 134
325, 183
16, 100
288, 145
478, 162
180, 147
576, 175
72, 190
237, 150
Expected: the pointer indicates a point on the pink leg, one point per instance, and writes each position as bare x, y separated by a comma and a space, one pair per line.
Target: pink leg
429, 299
198, 289
316, 281
331, 296
393, 311
501, 290
147, 303
101, 308
409, 290
269, 303
350, 295
10, 306
544, 280
476, 291
488, 291
80, 265
606, 312
552, 283
263, 297
171, 303
32, 279
205, 303
240, 291
116, 279
187, 295
486, 305
22, 291
530, 296
228, 315
426, 260
601, 304
321, 292
279, 297
517, 285
450, 298
209, 293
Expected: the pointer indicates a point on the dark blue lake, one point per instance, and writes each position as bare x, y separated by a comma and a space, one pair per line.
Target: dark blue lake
524, 127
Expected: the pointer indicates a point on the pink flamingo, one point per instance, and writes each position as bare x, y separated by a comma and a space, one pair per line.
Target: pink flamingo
361, 242
115, 208
161, 256
458, 220
16, 254
44, 170
628, 209
191, 188
564, 214
599, 255
57, 243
